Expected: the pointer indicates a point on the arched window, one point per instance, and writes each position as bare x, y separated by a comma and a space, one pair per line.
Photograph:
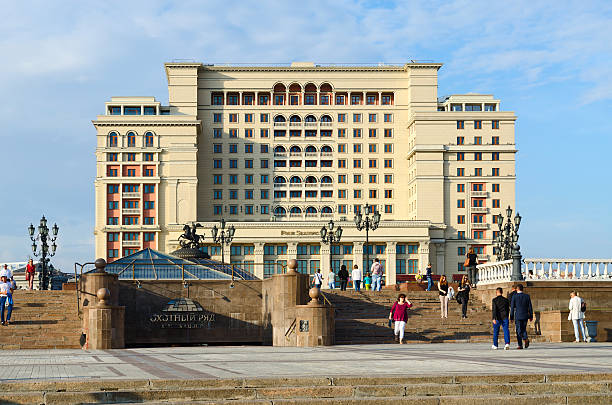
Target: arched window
280, 180
295, 149
131, 139
326, 118
295, 180
295, 88
296, 210
295, 118
148, 138
311, 149
279, 88
280, 149
325, 88
279, 118
112, 139
310, 118
326, 148
311, 210
311, 179
280, 211
310, 88
326, 210
326, 179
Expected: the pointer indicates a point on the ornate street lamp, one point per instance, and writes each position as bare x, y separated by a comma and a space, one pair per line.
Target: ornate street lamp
506, 242
368, 223
44, 237
223, 236
329, 237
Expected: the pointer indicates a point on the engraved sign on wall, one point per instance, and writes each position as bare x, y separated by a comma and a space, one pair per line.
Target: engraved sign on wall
183, 313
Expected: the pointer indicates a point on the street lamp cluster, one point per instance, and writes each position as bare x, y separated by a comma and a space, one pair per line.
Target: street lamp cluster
43, 251
329, 237
369, 224
223, 236
506, 242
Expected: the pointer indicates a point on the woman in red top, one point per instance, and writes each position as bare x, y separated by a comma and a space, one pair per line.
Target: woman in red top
399, 314
30, 271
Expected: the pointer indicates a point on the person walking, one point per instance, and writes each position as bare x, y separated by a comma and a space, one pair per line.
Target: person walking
6, 298
428, 276
399, 314
343, 275
367, 281
576, 315
463, 295
501, 312
472, 261
521, 311
30, 272
443, 292
512, 293
331, 279
317, 280
376, 272
356, 275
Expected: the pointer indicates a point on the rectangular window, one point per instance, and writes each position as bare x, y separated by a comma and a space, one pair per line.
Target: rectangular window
233, 133
295, 99
460, 156
494, 124
248, 163
477, 140
388, 178
387, 100
233, 148
356, 117
280, 133
232, 99
264, 99
461, 235
217, 179
372, 133
247, 99
461, 219
461, 251
279, 99
355, 99
373, 194
342, 133
131, 111
263, 163
114, 110
233, 118
248, 133
325, 99
217, 133
495, 156
357, 133
342, 209
341, 117
357, 178
372, 179
388, 118
149, 172
460, 124
113, 221
356, 193
460, 188
478, 171
217, 117
357, 163
495, 171
478, 156
388, 163
388, 133
111, 157
113, 205
340, 100
217, 209
147, 157
342, 178
388, 148
264, 194
326, 133
112, 172
373, 163
495, 188
217, 194
357, 148
461, 203
460, 140
233, 163
264, 117
495, 140
388, 193
478, 202
264, 179
248, 194
371, 117
264, 133
233, 179
342, 194
233, 210
478, 234
460, 172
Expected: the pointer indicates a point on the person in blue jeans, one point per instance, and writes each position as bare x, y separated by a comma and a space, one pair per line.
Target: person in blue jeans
501, 311
429, 278
6, 294
521, 311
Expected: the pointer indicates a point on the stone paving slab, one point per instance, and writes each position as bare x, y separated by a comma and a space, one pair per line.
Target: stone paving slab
266, 362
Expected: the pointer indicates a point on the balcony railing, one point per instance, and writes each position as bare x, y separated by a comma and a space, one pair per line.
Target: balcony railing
311, 154
131, 243
310, 185
280, 124
326, 124
295, 154
131, 195
327, 153
131, 211
479, 209
279, 185
295, 124
280, 154
480, 226
479, 193
310, 124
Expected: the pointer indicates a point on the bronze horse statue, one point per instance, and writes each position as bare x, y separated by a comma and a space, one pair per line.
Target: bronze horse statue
189, 238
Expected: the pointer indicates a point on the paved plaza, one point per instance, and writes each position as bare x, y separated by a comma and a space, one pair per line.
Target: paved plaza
266, 361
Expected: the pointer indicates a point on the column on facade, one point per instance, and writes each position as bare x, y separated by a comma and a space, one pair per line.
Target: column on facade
357, 256
325, 255
423, 254
379, 98
240, 100
291, 250
227, 252
173, 203
390, 270
440, 253
259, 260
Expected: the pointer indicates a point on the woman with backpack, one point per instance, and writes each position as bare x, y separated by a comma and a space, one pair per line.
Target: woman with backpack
577, 308
399, 314
443, 291
463, 295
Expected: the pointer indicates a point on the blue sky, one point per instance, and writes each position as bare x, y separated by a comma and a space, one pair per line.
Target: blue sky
548, 61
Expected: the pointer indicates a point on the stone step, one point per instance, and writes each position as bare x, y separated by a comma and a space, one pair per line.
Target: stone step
504, 389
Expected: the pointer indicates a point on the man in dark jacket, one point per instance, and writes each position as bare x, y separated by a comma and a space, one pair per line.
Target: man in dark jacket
501, 311
343, 275
521, 311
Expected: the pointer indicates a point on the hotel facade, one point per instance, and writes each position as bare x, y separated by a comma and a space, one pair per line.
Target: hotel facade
279, 151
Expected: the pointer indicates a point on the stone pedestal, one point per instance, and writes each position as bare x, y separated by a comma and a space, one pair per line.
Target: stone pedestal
103, 320
314, 323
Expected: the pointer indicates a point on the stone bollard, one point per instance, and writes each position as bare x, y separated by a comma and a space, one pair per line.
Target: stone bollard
103, 318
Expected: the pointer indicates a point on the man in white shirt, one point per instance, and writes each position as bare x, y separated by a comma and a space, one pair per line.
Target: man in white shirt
6, 290
576, 316
318, 279
357, 276
376, 272
331, 279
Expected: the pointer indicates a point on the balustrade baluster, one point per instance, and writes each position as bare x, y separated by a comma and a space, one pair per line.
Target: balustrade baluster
606, 270
581, 269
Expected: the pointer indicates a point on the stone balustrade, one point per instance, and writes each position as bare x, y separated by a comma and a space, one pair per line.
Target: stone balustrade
494, 272
567, 269
547, 269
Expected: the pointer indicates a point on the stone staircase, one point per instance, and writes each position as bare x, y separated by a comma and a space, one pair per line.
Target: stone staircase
382, 390
42, 320
362, 318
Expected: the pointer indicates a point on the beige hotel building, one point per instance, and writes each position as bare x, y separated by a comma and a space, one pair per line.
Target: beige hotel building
279, 151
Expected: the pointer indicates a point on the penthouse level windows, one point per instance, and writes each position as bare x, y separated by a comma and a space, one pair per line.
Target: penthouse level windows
293, 94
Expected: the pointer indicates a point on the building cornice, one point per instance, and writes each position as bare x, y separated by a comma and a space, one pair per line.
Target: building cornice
461, 116
147, 120
313, 224
315, 68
